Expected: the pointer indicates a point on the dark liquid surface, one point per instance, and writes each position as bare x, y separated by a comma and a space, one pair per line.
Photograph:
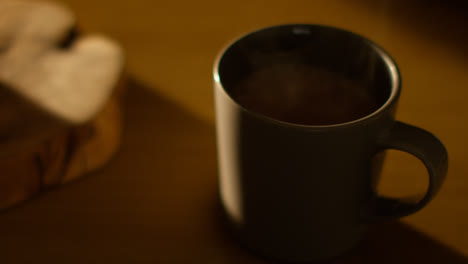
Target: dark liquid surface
304, 95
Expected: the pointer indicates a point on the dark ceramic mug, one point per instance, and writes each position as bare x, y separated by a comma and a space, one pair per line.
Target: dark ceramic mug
306, 193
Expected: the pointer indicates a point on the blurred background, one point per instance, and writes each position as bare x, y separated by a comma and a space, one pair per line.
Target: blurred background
171, 46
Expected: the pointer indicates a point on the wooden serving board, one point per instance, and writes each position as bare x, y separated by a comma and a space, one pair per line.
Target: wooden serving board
60, 99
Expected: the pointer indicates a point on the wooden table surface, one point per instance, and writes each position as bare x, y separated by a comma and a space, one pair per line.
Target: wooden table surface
156, 202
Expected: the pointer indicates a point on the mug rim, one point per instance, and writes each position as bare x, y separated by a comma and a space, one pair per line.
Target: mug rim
392, 67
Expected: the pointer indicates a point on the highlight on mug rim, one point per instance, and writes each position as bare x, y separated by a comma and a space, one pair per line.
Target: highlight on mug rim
390, 64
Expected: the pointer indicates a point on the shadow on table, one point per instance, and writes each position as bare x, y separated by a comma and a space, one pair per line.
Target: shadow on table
396, 242
156, 202
387, 243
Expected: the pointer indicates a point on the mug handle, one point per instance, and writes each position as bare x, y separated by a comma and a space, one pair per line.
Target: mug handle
425, 147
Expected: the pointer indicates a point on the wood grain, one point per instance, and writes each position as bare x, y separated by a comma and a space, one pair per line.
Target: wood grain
60, 99
65, 155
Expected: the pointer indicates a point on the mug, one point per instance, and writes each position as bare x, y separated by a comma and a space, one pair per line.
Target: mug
298, 192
